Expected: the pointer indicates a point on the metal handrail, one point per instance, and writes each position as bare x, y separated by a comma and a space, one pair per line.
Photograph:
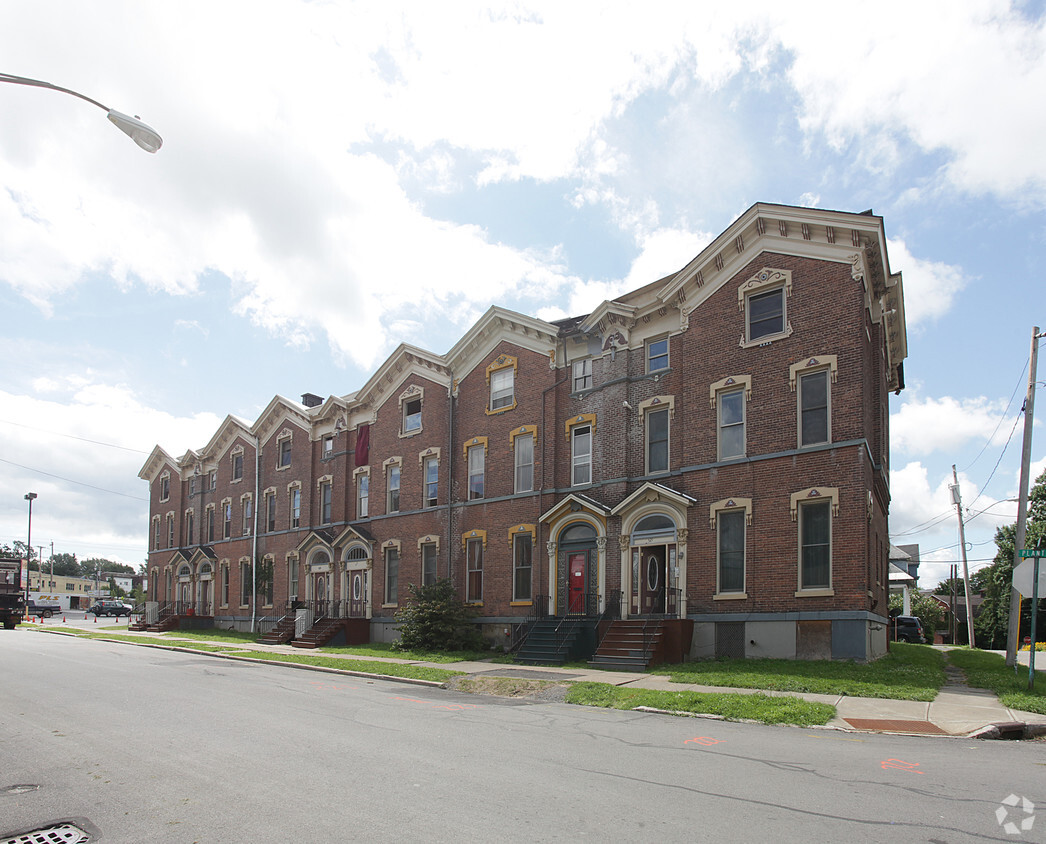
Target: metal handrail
520, 631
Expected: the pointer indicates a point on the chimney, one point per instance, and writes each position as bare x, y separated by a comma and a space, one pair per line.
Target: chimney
309, 400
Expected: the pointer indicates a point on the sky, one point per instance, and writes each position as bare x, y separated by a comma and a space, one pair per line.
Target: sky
337, 178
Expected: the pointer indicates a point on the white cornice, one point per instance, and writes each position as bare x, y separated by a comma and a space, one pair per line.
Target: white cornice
496, 325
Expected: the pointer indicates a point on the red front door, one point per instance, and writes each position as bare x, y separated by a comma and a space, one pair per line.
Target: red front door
576, 582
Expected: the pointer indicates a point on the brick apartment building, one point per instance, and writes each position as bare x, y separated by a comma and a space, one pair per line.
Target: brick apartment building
712, 447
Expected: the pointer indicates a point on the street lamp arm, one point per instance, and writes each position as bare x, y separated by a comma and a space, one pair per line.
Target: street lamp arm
141, 133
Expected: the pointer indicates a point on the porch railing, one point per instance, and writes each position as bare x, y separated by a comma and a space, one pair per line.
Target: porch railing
538, 610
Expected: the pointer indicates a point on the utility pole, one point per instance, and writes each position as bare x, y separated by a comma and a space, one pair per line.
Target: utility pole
1022, 501
957, 499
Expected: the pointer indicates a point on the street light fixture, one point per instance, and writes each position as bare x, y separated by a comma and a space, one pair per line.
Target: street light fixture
141, 133
29, 496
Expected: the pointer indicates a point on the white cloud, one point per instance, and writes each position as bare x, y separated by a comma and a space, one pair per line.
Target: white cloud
930, 287
924, 425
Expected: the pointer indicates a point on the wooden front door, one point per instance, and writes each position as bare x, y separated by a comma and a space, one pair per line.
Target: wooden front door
358, 593
576, 571
652, 580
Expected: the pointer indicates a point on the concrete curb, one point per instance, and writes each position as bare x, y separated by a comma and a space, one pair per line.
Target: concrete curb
413, 681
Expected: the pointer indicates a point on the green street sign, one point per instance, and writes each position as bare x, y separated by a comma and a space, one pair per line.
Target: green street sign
1032, 552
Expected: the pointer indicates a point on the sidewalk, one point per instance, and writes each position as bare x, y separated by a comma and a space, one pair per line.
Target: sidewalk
958, 710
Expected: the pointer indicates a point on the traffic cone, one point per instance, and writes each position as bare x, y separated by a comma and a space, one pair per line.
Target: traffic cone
96, 619
63, 619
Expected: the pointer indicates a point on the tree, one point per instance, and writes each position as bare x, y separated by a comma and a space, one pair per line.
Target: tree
925, 608
65, 565
435, 619
992, 623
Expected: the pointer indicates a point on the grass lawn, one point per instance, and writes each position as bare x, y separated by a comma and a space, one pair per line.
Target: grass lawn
989, 671
385, 649
388, 669
215, 635
908, 672
731, 706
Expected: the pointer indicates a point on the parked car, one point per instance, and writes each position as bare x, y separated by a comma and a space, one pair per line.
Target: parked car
42, 610
908, 628
116, 608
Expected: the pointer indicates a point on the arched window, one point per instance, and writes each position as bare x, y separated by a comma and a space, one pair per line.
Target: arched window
356, 554
579, 532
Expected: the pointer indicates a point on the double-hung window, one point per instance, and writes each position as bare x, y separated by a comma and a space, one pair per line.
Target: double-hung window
227, 520
477, 455
189, 527
815, 541
430, 466
237, 466
474, 554
284, 459
170, 531
411, 416
428, 564
270, 512
362, 495
814, 426
522, 566
295, 507
165, 487
325, 502
502, 388
766, 314
581, 455
657, 355
247, 513
582, 371
392, 575
245, 584
394, 489
210, 523
731, 423
731, 526
523, 447
657, 441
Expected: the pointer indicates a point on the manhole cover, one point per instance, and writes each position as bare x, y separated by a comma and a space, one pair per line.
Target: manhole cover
78, 831
885, 725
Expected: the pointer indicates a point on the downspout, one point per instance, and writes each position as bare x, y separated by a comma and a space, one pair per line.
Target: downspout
254, 535
451, 460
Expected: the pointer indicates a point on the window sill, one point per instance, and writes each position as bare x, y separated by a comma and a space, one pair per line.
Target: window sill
404, 435
767, 339
730, 596
389, 606
497, 410
815, 593
474, 603
522, 604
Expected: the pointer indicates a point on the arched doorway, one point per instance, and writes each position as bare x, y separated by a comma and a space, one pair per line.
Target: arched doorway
185, 595
206, 590
576, 586
318, 584
356, 585
653, 561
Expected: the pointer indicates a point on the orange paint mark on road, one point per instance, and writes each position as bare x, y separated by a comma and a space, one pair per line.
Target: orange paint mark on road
902, 766
707, 741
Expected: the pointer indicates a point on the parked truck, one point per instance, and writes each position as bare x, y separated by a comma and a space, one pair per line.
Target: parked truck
12, 594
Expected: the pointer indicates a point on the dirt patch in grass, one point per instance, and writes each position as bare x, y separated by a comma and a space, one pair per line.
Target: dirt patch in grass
514, 687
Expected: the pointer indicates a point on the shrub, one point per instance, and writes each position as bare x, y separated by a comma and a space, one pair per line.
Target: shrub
435, 619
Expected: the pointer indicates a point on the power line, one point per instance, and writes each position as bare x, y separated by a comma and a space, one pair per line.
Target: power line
72, 437
1002, 416
71, 481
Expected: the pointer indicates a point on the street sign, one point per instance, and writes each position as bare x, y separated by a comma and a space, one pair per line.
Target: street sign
1032, 552
1022, 576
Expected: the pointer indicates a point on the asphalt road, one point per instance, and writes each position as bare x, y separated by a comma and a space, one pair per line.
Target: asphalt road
154, 746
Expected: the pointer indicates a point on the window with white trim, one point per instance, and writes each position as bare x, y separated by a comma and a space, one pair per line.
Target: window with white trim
430, 470
292, 577
326, 495
477, 455
393, 498
580, 455
392, 574
502, 388
428, 564
362, 495
522, 566
156, 533
247, 504
523, 447
328, 447
474, 563
165, 486
731, 423
224, 575
209, 516
657, 354
245, 583
170, 530
815, 545
766, 314
814, 407
270, 511
731, 550
412, 415
237, 465
295, 502
582, 375
226, 518
283, 459
656, 431
190, 519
